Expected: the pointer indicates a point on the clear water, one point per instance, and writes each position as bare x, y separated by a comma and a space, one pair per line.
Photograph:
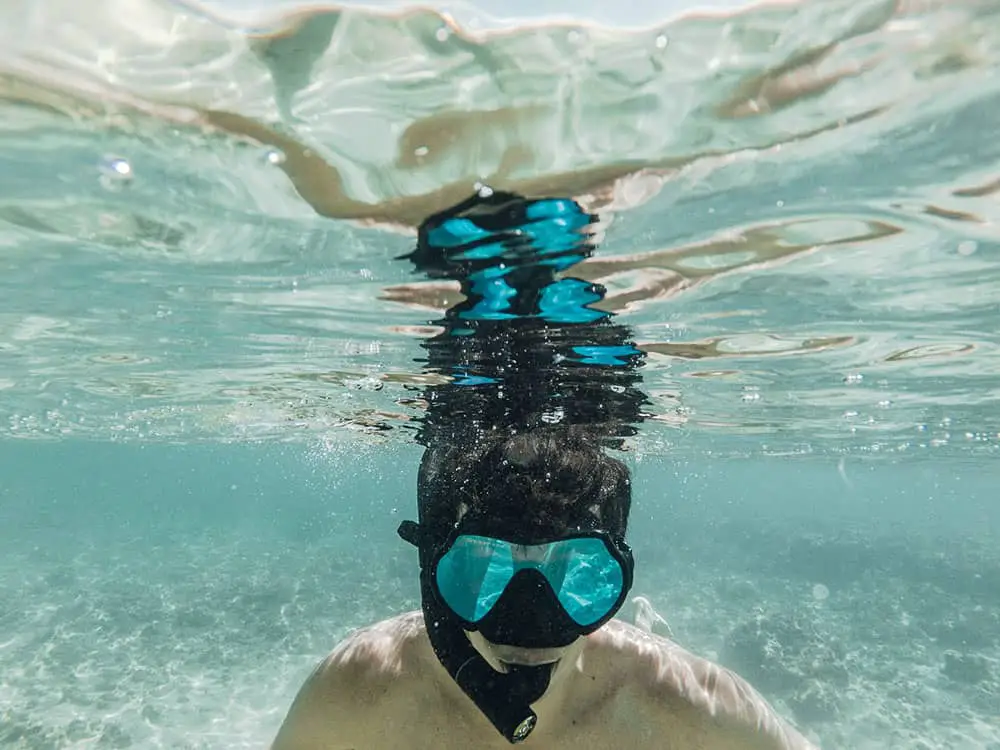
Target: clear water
209, 369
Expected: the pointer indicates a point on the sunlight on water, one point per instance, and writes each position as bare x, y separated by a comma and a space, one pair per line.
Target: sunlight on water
202, 215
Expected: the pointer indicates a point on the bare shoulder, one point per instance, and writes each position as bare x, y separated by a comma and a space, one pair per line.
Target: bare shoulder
386, 649
668, 677
362, 674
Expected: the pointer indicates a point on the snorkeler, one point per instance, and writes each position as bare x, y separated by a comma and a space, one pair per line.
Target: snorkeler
521, 532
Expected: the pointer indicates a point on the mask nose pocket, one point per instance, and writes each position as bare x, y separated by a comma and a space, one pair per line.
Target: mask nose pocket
528, 615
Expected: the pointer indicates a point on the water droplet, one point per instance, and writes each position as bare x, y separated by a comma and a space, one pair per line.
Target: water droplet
780, 204
661, 41
275, 156
853, 378
116, 173
820, 592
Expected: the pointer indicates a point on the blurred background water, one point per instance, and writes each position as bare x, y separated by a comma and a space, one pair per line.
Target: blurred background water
210, 370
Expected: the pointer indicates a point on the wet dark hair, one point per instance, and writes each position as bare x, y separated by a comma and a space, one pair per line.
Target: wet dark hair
538, 480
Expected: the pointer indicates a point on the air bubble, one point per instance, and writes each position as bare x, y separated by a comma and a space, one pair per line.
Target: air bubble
967, 247
483, 191
661, 41
820, 592
853, 378
367, 383
553, 417
275, 156
442, 34
421, 151
116, 172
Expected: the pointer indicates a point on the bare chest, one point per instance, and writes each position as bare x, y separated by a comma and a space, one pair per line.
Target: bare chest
443, 724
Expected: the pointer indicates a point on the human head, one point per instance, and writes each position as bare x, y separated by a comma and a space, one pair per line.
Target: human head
542, 486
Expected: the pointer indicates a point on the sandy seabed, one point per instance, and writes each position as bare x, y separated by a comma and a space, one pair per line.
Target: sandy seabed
202, 642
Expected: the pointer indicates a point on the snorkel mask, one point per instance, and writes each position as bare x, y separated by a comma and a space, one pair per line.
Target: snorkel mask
518, 590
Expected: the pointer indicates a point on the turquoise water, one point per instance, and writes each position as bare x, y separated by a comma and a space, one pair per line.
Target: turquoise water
210, 368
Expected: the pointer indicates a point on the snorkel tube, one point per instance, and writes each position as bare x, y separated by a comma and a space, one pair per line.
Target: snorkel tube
504, 699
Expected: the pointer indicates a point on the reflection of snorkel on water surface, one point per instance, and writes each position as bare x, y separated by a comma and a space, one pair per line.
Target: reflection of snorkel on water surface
525, 353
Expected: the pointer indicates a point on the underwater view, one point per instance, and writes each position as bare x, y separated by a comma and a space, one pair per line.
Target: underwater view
259, 260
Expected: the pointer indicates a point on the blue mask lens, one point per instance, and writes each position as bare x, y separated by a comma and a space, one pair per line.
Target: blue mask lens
584, 574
